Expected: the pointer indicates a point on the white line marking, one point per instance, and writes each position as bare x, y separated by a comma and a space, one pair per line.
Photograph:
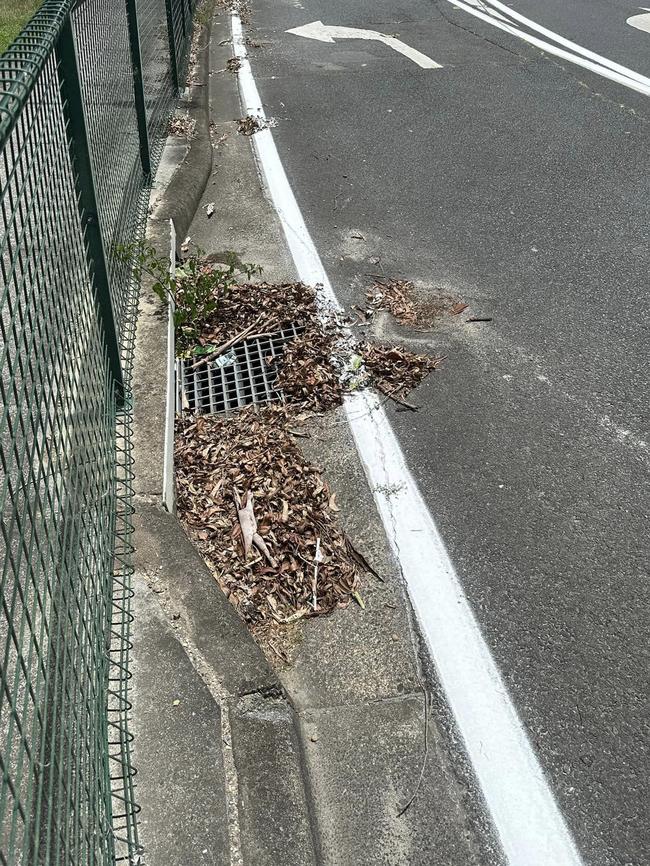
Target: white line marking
561, 40
527, 818
328, 33
480, 4
602, 66
168, 486
642, 21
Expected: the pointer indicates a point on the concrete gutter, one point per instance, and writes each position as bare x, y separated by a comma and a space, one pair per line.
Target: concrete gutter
183, 192
220, 776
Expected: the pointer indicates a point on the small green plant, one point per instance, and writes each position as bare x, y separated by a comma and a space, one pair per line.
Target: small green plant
195, 286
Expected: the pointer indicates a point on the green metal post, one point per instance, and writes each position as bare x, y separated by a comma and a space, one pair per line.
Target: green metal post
80, 153
138, 86
173, 60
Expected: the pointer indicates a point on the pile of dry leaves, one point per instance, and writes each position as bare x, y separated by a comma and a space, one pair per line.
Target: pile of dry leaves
249, 125
395, 371
262, 516
309, 371
268, 307
394, 296
182, 125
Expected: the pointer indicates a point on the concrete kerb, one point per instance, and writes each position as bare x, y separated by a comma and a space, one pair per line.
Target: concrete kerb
183, 194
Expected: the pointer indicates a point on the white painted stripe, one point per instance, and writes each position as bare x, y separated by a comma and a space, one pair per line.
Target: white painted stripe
168, 487
480, 4
632, 80
641, 21
526, 817
561, 40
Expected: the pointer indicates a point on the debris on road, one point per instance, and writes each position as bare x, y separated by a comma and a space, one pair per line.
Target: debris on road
400, 299
395, 371
182, 125
394, 296
273, 306
308, 373
249, 125
217, 138
233, 64
322, 362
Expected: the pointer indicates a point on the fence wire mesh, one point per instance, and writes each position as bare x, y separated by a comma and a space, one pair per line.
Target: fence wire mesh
66, 788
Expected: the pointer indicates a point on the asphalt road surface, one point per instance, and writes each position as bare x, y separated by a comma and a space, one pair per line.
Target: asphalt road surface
517, 181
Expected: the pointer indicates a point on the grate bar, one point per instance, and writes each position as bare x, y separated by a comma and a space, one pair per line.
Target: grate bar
247, 380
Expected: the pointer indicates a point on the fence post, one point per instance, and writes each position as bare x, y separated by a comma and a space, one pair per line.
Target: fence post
138, 86
80, 153
173, 60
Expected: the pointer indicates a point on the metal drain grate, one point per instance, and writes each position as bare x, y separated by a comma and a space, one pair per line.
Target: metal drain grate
246, 378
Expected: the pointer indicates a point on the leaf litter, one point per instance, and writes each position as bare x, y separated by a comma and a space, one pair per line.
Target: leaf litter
250, 124
400, 299
263, 517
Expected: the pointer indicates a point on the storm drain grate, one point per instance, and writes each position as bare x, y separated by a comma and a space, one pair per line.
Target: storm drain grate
245, 375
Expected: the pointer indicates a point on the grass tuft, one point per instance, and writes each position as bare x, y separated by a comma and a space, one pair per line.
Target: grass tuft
14, 14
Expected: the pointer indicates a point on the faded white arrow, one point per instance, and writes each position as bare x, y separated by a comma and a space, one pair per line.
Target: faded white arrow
326, 33
642, 21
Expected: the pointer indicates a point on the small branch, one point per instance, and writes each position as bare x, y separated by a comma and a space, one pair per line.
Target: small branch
224, 346
392, 396
317, 559
424, 757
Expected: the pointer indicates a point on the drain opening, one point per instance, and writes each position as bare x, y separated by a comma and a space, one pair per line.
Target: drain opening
240, 377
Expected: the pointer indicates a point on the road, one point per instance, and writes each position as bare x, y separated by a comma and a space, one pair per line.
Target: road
516, 181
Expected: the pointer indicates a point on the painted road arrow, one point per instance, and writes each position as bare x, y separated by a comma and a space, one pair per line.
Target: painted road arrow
326, 33
642, 21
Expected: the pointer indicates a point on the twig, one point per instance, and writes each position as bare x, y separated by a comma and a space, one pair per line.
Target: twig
222, 348
391, 396
360, 559
479, 319
317, 559
279, 654
424, 757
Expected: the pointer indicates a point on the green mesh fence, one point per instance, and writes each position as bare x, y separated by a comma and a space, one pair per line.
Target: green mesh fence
84, 106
